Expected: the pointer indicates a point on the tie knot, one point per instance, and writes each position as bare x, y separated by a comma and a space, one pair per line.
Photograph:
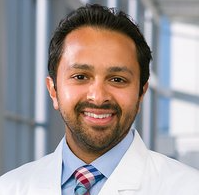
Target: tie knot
86, 176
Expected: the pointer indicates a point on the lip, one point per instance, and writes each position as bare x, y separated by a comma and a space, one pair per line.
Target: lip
99, 111
98, 117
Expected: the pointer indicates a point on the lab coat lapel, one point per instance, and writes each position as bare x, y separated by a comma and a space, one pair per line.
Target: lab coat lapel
49, 173
128, 175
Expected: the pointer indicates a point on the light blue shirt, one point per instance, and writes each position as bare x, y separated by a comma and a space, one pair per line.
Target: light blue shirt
105, 164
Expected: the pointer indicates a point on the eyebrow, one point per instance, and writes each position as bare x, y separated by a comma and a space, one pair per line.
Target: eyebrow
82, 66
119, 69
112, 69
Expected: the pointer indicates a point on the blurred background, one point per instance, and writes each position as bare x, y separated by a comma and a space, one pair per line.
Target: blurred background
169, 120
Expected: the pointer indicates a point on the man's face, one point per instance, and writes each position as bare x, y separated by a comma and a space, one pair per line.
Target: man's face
97, 92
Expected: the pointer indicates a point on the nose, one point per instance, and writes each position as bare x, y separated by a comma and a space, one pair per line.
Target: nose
98, 93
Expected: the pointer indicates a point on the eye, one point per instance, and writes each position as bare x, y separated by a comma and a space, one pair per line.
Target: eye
118, 80
80, 77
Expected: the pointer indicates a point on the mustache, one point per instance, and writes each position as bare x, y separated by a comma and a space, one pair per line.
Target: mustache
107, 106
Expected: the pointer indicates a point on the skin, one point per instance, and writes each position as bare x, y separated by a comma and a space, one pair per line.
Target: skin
97, 92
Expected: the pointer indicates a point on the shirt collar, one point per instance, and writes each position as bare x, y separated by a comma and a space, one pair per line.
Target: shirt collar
109, 161
70, 162
105, 163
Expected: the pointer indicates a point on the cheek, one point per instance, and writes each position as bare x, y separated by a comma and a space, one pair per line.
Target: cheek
129, 104
70, 96
127, 100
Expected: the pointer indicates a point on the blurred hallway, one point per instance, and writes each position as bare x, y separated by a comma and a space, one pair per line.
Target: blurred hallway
169, 120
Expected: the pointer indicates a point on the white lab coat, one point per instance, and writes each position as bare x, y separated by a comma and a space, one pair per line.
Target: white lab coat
140, 172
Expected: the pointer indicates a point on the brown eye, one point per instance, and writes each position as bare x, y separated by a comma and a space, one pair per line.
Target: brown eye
80, 77
118, 80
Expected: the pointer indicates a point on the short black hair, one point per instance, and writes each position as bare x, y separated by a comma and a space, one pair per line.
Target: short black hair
101, 17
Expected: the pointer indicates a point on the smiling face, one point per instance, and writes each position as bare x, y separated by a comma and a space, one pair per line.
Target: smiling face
97, 93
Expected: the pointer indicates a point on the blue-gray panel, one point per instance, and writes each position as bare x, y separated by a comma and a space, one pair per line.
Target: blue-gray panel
19, 89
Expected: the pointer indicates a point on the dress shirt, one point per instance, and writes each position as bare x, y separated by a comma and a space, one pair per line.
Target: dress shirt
105, 164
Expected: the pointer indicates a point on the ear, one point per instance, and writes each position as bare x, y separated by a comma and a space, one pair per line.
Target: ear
145, 87
52, 92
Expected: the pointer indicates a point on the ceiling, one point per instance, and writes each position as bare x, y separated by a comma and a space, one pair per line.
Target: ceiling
177, 10
180, 10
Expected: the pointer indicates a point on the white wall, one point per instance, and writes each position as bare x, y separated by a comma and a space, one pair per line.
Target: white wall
184, 116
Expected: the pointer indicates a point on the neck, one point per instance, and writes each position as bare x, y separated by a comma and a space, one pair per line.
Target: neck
80, 151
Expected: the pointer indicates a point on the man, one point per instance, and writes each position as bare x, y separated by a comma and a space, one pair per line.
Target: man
98, 74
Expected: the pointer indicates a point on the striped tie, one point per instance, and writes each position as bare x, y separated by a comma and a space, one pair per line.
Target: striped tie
86, 176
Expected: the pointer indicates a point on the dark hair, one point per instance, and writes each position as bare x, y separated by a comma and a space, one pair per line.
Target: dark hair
100, 17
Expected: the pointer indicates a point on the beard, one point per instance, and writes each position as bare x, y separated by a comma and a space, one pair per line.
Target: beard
98, 138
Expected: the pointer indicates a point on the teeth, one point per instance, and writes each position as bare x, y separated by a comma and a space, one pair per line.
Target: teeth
100, 116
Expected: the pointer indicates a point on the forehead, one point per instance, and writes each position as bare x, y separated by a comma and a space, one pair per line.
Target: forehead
92, 45
88, 34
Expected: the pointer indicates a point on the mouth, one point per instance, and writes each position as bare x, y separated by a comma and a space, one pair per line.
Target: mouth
98, 117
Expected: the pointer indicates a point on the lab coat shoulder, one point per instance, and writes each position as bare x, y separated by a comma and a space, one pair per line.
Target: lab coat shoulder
37, 177
142, 172
174, 176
